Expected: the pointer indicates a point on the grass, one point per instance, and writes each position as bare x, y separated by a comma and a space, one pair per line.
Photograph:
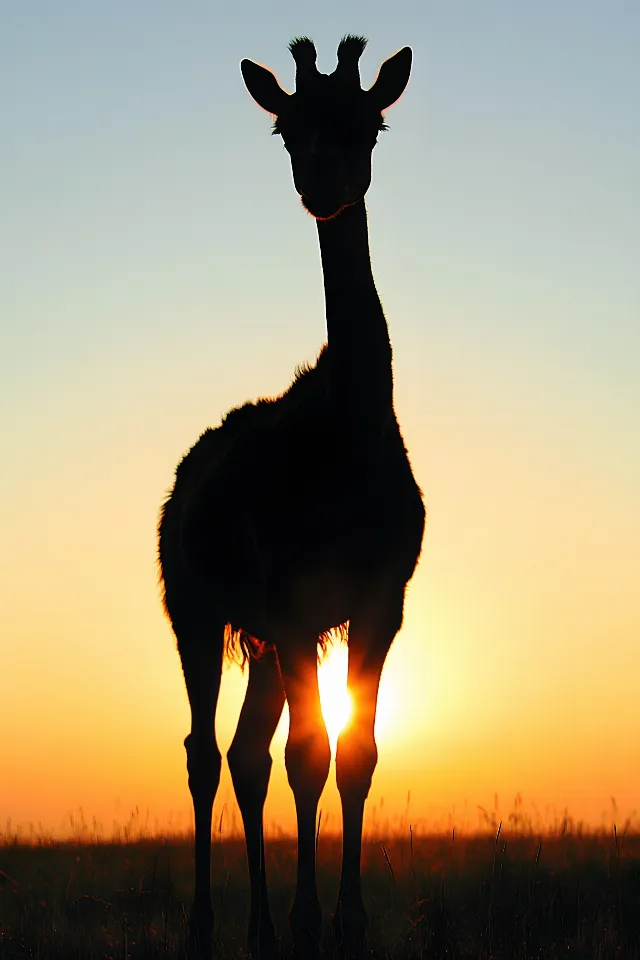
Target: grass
506, 894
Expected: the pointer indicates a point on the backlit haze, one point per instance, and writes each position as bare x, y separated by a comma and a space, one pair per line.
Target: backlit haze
157, 268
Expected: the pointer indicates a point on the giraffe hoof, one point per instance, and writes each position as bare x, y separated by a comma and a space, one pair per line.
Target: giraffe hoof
305, 922
200, 935
349, 931
308, 949
262, 945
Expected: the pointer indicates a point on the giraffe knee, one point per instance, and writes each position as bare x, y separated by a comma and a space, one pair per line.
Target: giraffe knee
307, 761
204, 763
356, 760
250, 767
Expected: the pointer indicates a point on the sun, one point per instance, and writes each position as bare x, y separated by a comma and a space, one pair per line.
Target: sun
335, 699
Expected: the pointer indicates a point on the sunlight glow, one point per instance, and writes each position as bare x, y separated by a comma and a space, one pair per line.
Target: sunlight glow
384, 710
335, 700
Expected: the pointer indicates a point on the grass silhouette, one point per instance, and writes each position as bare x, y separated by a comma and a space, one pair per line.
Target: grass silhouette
507, 892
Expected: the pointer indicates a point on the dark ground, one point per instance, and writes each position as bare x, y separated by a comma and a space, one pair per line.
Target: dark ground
573, 895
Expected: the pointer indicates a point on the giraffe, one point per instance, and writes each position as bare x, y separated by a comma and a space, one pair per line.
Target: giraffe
298, 516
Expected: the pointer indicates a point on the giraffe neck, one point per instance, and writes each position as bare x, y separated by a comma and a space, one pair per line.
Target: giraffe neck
359, 350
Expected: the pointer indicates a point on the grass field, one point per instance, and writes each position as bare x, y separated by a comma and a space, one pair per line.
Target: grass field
567, 893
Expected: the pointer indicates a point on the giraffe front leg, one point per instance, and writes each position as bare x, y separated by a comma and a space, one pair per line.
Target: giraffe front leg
370, 636
201, 655
203, 766
307, 759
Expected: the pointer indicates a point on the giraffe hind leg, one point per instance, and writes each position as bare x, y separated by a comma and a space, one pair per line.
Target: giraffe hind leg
307, 759
250, 766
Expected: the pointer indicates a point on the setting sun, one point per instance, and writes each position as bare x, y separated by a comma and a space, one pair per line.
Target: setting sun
145, 301
334, 697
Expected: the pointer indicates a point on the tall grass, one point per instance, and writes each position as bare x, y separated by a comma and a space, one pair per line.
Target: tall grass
508, 891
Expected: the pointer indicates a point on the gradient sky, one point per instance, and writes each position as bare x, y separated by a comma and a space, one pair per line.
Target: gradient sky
157, 268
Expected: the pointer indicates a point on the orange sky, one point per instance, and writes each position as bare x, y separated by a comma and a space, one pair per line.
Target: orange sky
514, 671
161, 271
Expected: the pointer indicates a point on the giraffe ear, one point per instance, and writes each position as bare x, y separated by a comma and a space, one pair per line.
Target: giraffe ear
263, 87
392, 79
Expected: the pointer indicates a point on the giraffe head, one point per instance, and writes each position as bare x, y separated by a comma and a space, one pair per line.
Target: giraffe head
330, 125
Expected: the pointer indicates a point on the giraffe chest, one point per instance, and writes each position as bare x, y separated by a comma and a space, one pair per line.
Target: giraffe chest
340, 520
293, 513
318, 564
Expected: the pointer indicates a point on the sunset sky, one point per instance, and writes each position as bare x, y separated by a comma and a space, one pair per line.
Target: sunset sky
157, 268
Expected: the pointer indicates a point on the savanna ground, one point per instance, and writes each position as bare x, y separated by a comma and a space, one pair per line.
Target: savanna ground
509, 892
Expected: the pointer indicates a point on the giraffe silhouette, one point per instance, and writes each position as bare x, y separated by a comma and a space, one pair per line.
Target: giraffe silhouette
298, 516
